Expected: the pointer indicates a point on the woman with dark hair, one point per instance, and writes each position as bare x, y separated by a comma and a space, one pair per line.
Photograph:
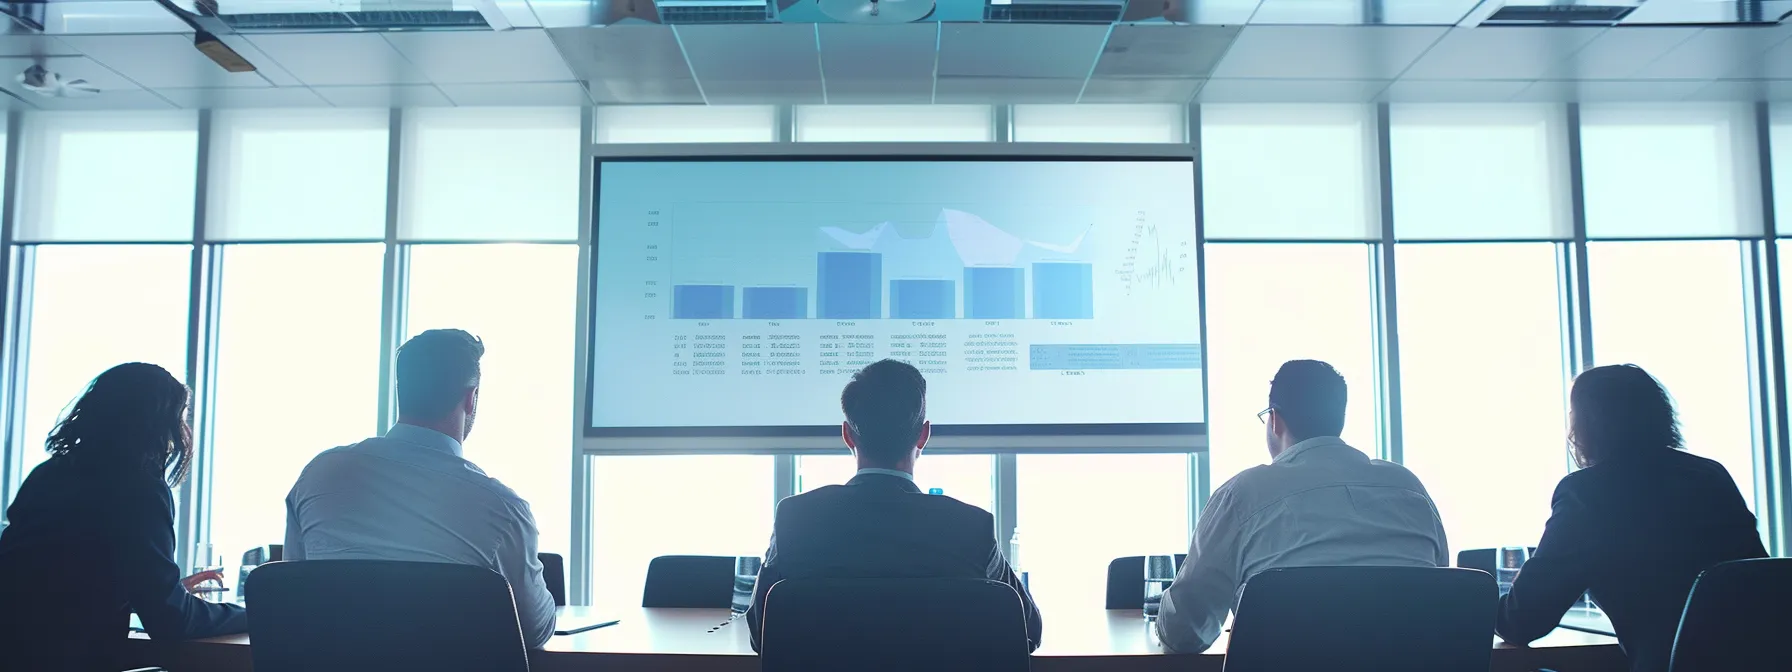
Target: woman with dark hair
91, 535
1634, 526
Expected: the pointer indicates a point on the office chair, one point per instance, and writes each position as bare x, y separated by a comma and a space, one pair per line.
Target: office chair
553, 573
1386, 619
1484, 559
1126, 581
1735, 617
382, 615
893, 624
690, 581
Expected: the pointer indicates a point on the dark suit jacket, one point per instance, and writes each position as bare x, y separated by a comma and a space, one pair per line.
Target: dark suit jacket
879, 526
1635, 531
86, 545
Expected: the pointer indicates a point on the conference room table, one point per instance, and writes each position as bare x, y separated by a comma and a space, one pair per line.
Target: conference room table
713, 640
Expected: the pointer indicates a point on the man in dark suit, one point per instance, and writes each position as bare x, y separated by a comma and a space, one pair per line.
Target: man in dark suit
879, 525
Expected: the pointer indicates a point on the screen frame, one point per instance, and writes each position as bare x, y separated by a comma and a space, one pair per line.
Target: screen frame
825, 439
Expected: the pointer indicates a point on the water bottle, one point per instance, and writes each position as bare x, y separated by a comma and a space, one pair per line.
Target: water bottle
936, 491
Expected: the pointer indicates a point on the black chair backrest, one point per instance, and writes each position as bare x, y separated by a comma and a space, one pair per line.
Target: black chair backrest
893, 624
1734, 617
690, 581
1388, 619
1484, 559
1126, 581
553, 573
381, 615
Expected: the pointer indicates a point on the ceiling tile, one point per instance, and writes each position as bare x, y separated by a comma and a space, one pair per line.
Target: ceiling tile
1140, 90
1019, 50
635, 51
1609, 91
882, 64
269, 68
1291, 90
34, 45
1716, 52
1326, 52
404, 95
1745, 90
1452, 91
339, 59
520, 94
1776, 63
754, 63
241, 97
161, 61
643, 91
125, 99
1164, 50
1006, 90
1500, 52
482, 57
1620, 52
879, 91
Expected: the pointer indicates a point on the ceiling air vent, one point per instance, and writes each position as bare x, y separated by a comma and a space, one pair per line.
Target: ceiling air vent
715, 11
1054, 11
358, 20
1599, 15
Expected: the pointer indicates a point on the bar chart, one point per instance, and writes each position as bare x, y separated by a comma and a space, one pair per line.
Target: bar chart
849, 286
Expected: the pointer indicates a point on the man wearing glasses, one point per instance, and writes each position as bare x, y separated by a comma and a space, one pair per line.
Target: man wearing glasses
1319, 502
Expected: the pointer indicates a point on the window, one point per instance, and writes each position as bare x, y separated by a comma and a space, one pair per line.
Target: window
1101, 123
1271, 302
1508, 161
1688, 328
490, 174
644, 507
521, 300
1781, 140
894, 123
93, 307
1256, 157
1481, 378
1076, 513
269, 168
108, 176
966, 478
1670, 170
686, 123
297, 374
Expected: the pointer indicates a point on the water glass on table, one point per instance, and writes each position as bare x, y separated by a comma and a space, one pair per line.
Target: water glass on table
1507, 564
746, 574
1160, 570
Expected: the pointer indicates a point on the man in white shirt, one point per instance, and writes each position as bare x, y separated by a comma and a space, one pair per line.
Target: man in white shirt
1319, 502
410, 495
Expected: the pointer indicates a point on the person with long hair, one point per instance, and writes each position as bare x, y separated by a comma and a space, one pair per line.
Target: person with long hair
1634, 526
91, 534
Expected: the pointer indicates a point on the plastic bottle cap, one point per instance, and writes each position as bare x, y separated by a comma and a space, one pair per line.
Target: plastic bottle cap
936, 491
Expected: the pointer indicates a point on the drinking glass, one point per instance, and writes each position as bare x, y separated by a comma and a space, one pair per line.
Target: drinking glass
1160, 570
746, 574
1510, 560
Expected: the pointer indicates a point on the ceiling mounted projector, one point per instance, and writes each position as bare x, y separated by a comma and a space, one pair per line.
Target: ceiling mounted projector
41, 81
876, 11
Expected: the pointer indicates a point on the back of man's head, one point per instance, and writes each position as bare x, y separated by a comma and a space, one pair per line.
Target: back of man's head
886, 408
435, 370
1309, 396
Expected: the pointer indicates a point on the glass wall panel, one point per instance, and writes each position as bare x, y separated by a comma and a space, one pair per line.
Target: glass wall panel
1271, 302
1689, 170
521, 300
1676, 309
490, 174
1101, 123
297, 374
1479, 171
298, 174
894, 123
1481, 375
1288, 171
1076, 513
644, 507
107, 176
685, 123
966, 478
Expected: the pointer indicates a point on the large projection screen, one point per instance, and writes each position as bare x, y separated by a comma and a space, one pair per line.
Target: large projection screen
1054, 304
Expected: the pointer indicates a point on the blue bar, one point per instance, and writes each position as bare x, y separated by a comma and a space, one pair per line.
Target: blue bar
849, 285
923, 299
774, 303
1063, 291
702, 302
1058, 357
995, 293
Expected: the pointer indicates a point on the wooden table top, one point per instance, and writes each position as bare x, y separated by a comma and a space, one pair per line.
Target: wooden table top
712, 640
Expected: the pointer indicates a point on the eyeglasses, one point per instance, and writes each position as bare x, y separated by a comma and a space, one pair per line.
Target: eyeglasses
1265, 412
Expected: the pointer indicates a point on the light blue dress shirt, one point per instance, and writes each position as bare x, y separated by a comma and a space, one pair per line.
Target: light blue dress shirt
409, 495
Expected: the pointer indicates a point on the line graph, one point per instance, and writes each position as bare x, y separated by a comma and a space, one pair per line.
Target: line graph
1149, 261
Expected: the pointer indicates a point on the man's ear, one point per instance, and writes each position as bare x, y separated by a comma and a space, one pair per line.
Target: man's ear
470, 402
926, 433
846, 437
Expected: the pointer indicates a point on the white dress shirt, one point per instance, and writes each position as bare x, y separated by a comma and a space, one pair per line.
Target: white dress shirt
409, 495
1319, 503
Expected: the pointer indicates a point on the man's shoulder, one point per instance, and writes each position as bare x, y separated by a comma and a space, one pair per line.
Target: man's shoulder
833, 497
